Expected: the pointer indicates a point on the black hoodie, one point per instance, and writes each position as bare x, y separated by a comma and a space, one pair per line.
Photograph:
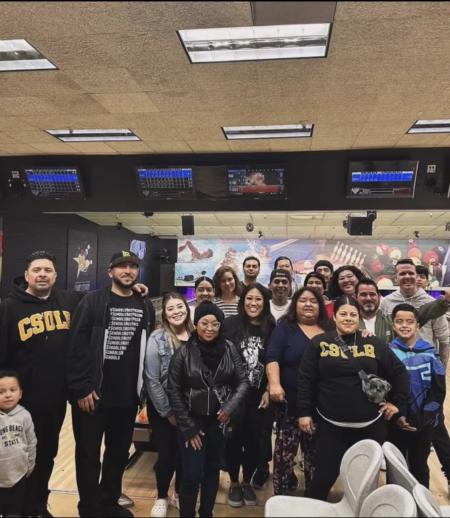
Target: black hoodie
34, 336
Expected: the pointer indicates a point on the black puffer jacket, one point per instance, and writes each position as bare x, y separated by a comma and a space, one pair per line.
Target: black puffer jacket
193, 390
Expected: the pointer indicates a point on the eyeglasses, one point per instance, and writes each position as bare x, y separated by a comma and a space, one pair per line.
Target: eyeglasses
211, 325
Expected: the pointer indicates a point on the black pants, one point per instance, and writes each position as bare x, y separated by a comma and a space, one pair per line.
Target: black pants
116, 424
169, 460
11, 499
265, 436
201, 468
243, 448
47, 427
415, 446
332, 443
441, 443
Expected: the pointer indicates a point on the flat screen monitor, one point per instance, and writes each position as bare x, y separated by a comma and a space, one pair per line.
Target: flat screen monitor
165, 182
54, 182
382, 179
257, 181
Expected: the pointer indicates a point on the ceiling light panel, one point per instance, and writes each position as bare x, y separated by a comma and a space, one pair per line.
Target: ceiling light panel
284, 131
431, 126
16, 55
94, 135
256, 43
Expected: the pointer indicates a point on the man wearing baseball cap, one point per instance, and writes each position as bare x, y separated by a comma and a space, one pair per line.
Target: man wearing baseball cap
107, 343
280, 285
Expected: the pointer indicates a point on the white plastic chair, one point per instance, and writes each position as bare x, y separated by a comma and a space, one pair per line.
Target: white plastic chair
427, 505
359, 473
397, 471
389, 500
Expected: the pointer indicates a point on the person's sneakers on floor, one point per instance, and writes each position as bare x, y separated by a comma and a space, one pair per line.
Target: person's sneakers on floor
117, 511
259, 477
248, 494
235, 498
293, 482
159, 509
125, 501
174, 500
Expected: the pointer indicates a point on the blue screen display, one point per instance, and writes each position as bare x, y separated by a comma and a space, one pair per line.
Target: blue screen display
54, 182
382, 176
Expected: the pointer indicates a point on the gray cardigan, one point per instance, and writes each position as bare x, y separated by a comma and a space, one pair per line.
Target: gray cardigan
158, 353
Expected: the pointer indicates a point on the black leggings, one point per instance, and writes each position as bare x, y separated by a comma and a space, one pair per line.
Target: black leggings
243, 448
166, 442
332, 443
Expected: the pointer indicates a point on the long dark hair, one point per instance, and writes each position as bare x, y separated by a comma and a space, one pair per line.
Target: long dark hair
322, 320
267, 319
333, 286
218, 276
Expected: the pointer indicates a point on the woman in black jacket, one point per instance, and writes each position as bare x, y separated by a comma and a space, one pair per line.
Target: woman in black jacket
206, 387
329, 385
249, 331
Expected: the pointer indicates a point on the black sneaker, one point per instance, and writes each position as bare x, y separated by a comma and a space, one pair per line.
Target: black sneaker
260, 477
248, 495
293, 482
235, 498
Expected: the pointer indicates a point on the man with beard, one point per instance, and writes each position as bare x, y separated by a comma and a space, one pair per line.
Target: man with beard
108, 337
372, 318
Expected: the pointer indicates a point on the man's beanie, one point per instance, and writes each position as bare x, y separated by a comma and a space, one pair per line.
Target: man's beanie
208, 308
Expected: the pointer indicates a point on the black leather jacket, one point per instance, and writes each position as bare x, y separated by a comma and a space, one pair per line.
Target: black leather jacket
194, 395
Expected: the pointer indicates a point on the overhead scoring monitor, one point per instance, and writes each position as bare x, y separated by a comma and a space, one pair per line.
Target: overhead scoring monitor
382, 179
257, 181
165, 182
54, 182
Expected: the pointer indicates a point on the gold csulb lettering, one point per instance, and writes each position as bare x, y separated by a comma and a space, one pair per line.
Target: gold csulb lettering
24, 333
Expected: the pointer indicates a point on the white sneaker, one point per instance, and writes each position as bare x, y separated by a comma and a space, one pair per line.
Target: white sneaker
174, 500
159, 509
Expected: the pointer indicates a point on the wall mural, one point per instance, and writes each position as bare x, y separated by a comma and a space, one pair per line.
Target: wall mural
376, 259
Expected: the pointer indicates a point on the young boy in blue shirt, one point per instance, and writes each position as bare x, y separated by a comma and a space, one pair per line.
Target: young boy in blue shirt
413, 432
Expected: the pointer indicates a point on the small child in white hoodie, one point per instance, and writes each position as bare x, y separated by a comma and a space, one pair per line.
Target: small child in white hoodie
17, 445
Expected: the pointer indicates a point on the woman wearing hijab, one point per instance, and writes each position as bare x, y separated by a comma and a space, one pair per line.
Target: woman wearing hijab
206, 387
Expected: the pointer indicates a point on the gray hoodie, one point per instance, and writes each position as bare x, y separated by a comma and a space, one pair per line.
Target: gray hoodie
434, 331
17, 446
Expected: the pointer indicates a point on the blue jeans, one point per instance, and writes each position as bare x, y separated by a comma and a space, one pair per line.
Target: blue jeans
201, 468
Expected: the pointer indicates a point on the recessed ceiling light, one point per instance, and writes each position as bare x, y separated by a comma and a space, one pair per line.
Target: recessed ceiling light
430, 126
20, 55
256, 42
93, 135
282, 131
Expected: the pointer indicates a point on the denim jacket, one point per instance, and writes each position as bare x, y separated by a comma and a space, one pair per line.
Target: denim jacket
156, 366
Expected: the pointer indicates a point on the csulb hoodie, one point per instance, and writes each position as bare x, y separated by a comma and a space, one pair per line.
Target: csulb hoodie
427, 381
34, 336
17, 446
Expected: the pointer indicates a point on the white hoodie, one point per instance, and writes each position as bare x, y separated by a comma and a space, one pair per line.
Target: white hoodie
17, 446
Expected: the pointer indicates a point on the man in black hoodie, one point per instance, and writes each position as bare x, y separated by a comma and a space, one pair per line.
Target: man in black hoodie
34, 331
108, 339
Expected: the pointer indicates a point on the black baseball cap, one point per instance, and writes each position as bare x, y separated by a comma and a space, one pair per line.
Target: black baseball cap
280, 273
125, 256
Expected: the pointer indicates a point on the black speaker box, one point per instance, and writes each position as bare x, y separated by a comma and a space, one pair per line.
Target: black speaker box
187, 224
359, 226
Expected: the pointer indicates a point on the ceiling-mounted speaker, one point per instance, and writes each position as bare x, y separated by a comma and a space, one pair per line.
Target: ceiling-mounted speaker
187, 225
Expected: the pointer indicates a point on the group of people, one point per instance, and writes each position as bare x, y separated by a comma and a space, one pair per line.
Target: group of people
215, 376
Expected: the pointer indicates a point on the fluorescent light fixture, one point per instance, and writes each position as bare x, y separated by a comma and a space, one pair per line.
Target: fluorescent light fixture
430, 126
285, 131
93, 135
256, 42
20, 55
